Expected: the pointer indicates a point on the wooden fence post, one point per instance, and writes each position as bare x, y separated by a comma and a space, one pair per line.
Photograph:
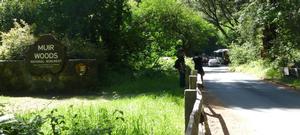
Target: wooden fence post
190, 96
194, 72
192, 81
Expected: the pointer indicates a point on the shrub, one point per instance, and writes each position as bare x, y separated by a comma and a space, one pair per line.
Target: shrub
273, 73
23, 126
66, 121
79, 48
242, 54
15, 41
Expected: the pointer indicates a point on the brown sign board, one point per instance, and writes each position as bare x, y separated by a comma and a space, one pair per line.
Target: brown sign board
46, 56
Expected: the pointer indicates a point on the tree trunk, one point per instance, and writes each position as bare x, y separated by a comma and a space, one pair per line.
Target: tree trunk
269, 35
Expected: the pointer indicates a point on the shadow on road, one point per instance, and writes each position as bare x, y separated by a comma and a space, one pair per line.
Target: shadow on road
253, 94
212, 113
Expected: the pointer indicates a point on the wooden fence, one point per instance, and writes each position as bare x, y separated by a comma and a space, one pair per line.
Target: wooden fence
195, 119
287, 71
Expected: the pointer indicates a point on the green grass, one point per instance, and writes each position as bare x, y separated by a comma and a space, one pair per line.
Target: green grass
151, 85
259, 69
150, 102
291, 82
256, 68
135, 115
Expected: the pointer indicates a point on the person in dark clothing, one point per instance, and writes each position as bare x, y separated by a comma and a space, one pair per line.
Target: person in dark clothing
180, 66
199, 66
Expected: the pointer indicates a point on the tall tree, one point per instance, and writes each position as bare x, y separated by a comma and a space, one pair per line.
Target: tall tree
221, 13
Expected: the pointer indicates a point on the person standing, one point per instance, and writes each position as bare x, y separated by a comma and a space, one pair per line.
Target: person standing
180, 66
199, 66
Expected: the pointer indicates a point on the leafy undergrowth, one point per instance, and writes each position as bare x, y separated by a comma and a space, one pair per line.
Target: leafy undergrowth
257, 68
150, 102
142, 114
291, 82
265, 71
163, 78
128, 103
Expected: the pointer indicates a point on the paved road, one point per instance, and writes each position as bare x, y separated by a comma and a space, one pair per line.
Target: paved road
266, 109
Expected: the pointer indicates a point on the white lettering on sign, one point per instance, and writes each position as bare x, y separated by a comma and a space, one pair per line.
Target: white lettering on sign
45, 47
36, 61
53, 61
46, 55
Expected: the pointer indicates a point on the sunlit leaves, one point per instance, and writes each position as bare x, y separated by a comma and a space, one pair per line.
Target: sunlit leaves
15, 41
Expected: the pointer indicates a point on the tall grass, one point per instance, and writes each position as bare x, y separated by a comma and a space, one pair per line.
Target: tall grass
148, 105
256, 67
136, 115
266, 71
163, 78
148, 102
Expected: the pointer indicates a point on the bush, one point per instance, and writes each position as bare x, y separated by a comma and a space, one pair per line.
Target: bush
242, 54
79, 48
260, 68
23, 126
273, 73
15, 41
57, 122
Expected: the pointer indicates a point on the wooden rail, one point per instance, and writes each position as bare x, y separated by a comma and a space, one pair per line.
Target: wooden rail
287, 71
194, 111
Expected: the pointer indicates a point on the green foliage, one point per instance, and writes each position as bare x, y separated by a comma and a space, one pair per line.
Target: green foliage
147, 103
11, 10
146, 81
291, 82
167, 63
80, 48
120, 32
166, 25
222, 14
56, 123
273, 73
243, 54
99, 23
15, 41
24, 126
271, 28
151, 114
260, 68
143, 114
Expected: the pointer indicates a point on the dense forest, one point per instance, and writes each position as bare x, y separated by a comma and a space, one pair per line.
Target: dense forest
132, 45
256, 29
116, 32
135, 33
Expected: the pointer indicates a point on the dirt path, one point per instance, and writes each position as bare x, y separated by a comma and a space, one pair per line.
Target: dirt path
27, 104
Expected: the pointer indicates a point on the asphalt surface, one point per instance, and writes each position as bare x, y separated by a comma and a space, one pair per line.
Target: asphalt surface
266, 109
